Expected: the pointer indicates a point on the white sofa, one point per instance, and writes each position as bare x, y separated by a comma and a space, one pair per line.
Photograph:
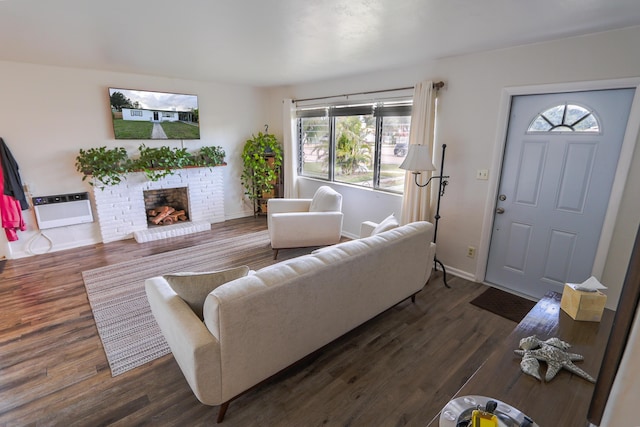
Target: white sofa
298, 223
259, 324
367, 228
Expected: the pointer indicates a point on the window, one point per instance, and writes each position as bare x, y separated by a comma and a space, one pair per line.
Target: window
136, 113
355, 144
565, 118
313, 140
395, 123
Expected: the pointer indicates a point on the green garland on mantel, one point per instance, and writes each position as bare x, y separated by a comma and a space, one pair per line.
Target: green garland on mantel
108, 166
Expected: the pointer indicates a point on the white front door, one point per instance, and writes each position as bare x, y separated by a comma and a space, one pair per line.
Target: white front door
558, 168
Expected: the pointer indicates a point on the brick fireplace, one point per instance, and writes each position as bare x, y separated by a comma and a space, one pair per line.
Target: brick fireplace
122, 213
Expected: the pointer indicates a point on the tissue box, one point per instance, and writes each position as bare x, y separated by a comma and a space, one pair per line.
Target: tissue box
580, 305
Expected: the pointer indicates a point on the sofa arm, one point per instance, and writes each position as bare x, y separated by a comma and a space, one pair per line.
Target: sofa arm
432, 251
300, 229
366, 228
194, 348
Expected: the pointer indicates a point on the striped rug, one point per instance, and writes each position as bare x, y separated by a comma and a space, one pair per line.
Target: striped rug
128, 331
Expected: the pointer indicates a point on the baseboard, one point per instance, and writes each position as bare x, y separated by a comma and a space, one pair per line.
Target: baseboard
55, 248
237, 215
459, 273
350, 235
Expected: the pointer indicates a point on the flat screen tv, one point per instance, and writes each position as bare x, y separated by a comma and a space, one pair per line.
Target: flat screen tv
140, 114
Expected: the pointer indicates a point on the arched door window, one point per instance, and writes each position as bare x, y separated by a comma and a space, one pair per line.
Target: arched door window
565, 118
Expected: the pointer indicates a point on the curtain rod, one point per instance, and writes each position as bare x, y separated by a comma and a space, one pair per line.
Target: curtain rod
436, 86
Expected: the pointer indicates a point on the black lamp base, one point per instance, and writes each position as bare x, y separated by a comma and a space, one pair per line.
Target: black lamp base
442, 184
444, 271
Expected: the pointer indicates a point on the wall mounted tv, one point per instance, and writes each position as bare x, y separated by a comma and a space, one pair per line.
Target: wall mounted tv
139, 114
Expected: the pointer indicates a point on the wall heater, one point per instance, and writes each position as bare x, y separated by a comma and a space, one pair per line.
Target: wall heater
62, 209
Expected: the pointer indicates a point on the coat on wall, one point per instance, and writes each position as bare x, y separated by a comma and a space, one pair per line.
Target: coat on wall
12, 199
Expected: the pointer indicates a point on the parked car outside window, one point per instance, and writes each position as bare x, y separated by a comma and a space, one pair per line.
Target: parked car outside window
400, 149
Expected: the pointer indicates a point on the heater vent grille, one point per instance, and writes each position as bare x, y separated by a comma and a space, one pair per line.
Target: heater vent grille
62, 209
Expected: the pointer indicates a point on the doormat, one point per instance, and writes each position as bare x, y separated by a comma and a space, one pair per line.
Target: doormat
504, 304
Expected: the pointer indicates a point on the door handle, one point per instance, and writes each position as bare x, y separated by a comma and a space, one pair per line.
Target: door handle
499, 210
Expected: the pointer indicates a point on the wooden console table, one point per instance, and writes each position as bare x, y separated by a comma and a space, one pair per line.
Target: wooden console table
564, 401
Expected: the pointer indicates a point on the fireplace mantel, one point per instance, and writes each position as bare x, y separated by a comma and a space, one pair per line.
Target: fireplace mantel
121, 212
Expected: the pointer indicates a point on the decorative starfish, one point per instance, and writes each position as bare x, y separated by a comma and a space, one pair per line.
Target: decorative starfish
552, 351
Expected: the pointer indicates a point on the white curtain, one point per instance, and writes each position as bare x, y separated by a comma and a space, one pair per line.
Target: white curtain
290, 162
416, 203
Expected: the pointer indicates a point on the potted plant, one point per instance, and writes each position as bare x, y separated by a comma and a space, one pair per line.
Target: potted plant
158, 162
105, 166
262, 159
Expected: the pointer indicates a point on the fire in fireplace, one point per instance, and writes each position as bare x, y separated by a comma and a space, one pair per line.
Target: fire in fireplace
166, 206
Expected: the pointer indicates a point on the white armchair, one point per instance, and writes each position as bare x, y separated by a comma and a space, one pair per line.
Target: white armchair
297, 223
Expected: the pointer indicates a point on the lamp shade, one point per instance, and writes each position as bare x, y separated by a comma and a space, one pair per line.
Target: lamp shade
418, 159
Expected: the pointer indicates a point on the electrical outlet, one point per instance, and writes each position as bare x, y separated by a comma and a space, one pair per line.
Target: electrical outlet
471, 251
482, 174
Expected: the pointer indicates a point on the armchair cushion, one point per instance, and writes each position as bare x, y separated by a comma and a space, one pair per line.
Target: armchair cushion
193, 288
300, 229
326, 199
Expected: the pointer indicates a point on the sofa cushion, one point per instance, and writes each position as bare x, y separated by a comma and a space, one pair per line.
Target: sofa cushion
388, 223
193, 287
326, 199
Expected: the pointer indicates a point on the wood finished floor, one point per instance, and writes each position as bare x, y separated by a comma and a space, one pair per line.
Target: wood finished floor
398, 369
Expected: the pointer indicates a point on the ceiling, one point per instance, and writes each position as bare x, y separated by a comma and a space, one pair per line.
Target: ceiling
280, 42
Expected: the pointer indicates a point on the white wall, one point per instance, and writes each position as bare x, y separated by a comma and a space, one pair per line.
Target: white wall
468, 124
48, 113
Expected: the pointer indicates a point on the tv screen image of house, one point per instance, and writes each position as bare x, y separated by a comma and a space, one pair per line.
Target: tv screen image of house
140, 114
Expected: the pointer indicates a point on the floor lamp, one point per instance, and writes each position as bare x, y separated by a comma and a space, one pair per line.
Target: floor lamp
418, 160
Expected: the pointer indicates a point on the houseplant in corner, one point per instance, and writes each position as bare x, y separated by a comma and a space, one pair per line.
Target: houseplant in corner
262, 159
105, 166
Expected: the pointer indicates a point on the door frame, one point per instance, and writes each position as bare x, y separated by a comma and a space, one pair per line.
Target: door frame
622, 170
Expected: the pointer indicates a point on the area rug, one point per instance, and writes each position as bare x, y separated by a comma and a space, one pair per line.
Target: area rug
129, 333
504, 304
